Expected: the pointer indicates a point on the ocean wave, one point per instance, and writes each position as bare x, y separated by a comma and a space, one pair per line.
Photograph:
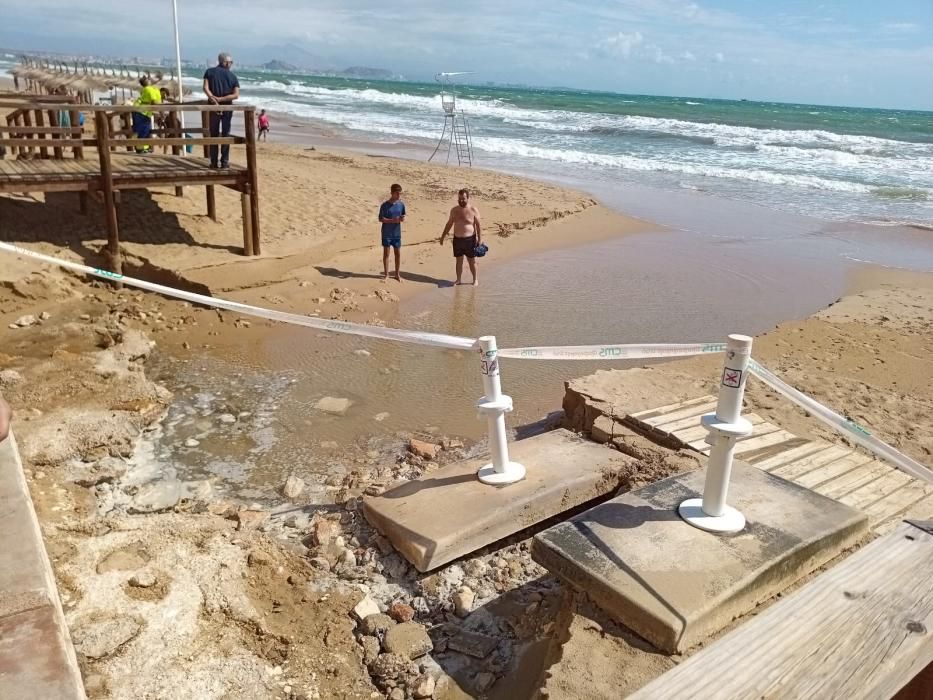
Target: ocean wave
628, 162
602, 124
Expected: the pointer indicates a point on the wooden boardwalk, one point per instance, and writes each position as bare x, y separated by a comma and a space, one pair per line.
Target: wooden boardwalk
850, 476
44, 153
130, 171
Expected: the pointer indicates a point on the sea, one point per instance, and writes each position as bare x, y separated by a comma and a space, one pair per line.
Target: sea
839, 163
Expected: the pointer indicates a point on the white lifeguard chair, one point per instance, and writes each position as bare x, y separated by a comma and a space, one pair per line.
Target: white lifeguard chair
456, 131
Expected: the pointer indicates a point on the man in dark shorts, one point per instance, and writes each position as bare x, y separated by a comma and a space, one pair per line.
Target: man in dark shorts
464, 218
391, 216
222, 88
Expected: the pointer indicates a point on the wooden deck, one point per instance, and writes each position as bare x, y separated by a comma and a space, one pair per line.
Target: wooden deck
44, 153
130, 171
850, 476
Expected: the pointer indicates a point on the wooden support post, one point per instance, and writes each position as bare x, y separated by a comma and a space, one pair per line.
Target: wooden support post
249, 116
54, 121
211, 203
102, 127
75, 119
27, 121
206, 125
40, 121
247, 225
174, 128
82, 199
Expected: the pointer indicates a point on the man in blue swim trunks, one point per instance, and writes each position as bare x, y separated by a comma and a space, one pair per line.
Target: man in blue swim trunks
391, 216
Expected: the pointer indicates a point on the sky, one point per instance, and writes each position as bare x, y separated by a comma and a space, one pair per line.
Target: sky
853, 52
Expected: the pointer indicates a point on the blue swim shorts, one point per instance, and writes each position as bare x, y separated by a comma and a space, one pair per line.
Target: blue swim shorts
391, 241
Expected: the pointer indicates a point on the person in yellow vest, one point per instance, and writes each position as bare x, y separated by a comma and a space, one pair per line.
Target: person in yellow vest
142, 120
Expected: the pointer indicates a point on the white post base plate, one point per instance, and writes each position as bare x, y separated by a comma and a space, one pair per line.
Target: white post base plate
513, 472
731, 520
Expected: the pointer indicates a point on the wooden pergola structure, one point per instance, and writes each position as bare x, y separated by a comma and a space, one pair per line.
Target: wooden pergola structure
44, 156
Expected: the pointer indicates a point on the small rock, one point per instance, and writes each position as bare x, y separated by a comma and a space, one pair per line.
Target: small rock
370, 648
191, 442
102, 638
362, 353
473, 644
401, 612
227, 418
9, 377
409, 640
85, 317
484, 681
156, 496
324, 531
304, 283
319, 563
144, 579
425, 450
250, 519
347, 558
25, 321
329, 445
397, 694
334, 406
463, 601
420, 605
376, 624
476, 568
450, 444
423, 687
379, 417
293, 487
365, 608
389, 666
45, 316
257, 557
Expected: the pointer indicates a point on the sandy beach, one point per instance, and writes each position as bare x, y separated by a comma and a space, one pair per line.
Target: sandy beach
249, 593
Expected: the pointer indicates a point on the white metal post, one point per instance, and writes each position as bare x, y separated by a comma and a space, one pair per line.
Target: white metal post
181, 90
726, 426
494, 405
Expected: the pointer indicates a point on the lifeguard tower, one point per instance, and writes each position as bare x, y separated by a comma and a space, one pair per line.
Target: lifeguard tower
456, 131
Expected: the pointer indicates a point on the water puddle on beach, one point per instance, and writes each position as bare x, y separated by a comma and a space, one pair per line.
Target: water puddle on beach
738, 273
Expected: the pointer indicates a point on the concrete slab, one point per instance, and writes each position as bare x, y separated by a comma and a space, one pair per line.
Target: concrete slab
675, 585
35, 648
448, 513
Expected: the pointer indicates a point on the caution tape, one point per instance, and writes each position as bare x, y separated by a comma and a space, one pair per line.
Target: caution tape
612, 352
417, 337
843, 425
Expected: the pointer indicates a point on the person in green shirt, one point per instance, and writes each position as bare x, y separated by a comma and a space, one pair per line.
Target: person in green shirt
142, 120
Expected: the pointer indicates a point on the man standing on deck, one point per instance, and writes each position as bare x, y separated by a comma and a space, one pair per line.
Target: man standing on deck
464, 218
222, 88
391, 216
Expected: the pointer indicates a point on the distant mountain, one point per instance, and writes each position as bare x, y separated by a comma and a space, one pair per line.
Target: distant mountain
279, 66
292, 54
369, 73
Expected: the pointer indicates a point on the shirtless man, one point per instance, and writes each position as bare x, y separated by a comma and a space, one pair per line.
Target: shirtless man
464, 218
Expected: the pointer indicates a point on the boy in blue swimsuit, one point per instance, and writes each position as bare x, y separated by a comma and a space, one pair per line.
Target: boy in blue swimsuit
391, 216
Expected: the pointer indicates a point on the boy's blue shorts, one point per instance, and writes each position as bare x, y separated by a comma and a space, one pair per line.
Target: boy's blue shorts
391, 241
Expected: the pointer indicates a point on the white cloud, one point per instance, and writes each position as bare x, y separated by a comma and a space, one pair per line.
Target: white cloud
687, 56
719, 57
658, 56
621, 44
901, 27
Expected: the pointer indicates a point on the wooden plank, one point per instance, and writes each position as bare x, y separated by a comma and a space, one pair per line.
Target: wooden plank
670, 419
651, 413
797, 468
29, 141
862, 497
812, 479
898, 501
42, 129
755, 442
864, 475
211, 202
921, 510
856, 631
756, 457
163, 141
247, 225
686, 435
